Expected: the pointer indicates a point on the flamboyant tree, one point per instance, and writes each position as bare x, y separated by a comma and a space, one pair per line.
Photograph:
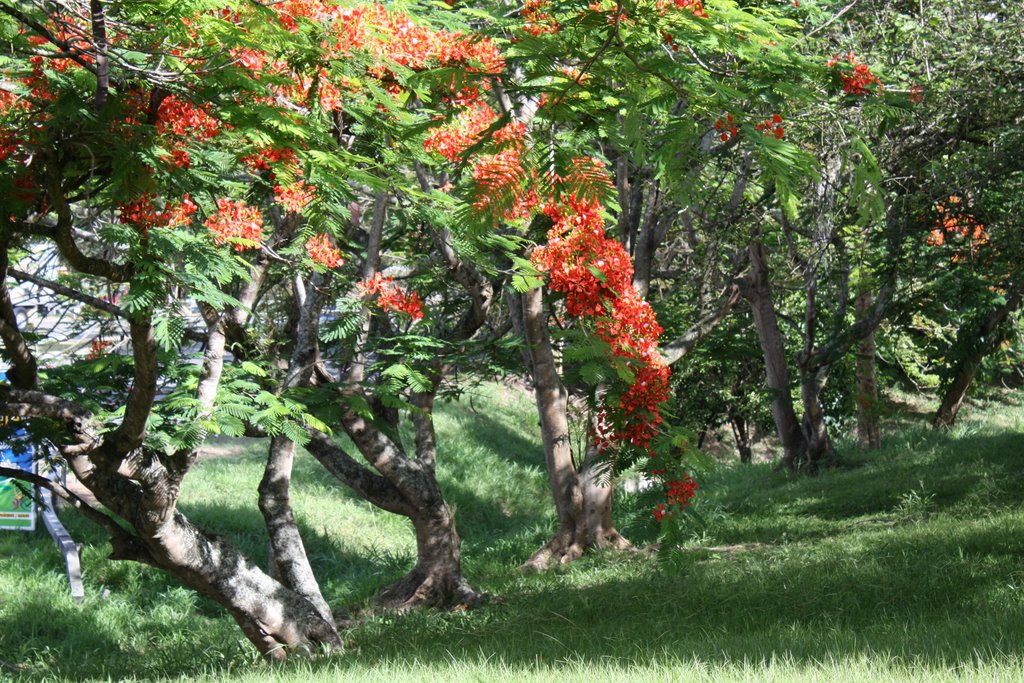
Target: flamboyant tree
178, 152
121, 126
284, 168
687, 108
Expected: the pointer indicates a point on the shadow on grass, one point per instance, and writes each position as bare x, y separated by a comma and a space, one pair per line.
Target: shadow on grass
939, 591
949, 471
917, 600
519, 446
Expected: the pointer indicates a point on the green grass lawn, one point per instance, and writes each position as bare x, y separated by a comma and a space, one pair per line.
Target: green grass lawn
905, 564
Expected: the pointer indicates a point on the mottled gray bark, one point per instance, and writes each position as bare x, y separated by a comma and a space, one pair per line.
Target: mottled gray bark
289, 562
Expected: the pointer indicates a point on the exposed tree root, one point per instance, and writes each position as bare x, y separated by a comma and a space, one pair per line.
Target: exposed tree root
441, 589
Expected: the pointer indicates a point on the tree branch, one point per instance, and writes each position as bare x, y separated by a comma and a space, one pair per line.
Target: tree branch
24, 373
370, 486
129, 434
679, 347
65, 494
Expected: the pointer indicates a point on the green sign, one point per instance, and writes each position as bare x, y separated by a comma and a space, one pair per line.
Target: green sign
17, 509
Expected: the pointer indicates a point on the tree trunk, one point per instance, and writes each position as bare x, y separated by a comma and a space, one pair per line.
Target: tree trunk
956, 390
818, 453
869, 433
583, 499
758, 292
741, 434
975, 343
407, 487
595, 483
288, 562
585, 520
437, 579
272, 617
395, 481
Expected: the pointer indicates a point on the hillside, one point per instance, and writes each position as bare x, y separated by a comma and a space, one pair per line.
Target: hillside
903, 565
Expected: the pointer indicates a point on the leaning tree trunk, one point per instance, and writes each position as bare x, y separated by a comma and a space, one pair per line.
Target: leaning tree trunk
758, 293
869, 433
408, 487
974, 343
583, 498
141, 486
273, 617
288, 561
397, 481
956, 390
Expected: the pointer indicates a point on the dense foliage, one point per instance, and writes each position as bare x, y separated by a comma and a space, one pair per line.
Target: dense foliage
308, 220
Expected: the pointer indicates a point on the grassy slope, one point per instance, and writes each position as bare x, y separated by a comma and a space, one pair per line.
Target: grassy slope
905, 564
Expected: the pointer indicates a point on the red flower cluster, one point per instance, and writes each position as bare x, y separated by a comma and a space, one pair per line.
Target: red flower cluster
294, 197
772, 126
679, 492
595, 273
184, 119
253, 60
916, 94
536, 20
728, 128
320, 250
98, 348
576, 244
179, 158
235, 221
860, 81
329, 95
418, 47
387, 36
695, 6
264, 159
953, 221
9, 143
500, 179
452, 140
391, 297
142, 215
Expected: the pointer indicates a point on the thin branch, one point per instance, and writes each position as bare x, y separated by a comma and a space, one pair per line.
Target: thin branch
679, 347
94, 302
42, 31
373, 487
129, 434
834, 18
